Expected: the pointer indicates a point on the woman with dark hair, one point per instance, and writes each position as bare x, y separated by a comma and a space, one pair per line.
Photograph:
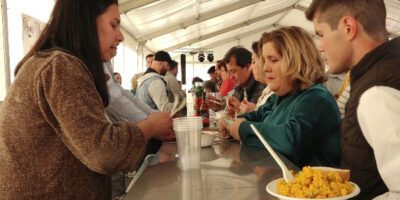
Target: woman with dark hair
227, 83
55, 141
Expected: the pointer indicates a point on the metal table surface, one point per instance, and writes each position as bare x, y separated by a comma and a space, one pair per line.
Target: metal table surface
228, 170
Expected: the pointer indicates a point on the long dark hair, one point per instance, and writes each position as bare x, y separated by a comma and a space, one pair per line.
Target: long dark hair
72, 28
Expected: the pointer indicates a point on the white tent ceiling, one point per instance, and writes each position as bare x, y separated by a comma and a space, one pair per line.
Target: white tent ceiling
205, 24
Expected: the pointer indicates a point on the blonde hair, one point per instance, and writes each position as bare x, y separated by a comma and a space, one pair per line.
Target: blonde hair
134, 81
302, 65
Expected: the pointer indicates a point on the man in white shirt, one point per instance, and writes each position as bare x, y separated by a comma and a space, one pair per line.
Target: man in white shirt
353, 37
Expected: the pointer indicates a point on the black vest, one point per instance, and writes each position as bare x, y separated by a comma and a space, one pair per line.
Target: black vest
380, 67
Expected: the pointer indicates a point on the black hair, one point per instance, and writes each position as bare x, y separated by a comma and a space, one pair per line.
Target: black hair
210, 85
115, 73
211, 70
242, 55
72, 28
196, 79
221, 65
173, 64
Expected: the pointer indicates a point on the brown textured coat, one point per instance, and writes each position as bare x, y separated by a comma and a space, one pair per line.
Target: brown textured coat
55, 142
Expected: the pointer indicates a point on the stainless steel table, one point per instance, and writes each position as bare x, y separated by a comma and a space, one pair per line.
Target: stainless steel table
228, 170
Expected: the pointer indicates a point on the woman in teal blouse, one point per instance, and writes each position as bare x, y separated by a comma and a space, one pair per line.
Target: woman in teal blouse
301, 120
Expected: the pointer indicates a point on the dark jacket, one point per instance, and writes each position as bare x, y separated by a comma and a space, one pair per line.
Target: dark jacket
380, 67
253, 91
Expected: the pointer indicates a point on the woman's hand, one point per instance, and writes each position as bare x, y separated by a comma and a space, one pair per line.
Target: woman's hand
233, 105
163, 128
222, 128
234, 128
247, 106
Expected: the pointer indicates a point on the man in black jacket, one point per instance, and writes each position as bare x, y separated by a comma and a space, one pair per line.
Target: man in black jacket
238, 61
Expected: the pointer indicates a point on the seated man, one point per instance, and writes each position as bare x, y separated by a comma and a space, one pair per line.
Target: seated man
152, 88
238, 62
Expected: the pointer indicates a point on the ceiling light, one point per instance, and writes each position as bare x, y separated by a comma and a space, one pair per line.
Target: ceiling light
210, 57
201, 57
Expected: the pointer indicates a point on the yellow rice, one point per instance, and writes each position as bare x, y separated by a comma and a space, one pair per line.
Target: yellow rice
312, 183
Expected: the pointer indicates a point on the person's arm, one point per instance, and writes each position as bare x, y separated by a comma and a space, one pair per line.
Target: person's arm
158, 93
378, 114
138, 102
260, 114
297, 132
123, 105
391, 195
69, 97
246, 107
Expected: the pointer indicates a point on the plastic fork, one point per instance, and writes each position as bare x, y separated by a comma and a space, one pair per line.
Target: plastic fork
219, 103
286, 173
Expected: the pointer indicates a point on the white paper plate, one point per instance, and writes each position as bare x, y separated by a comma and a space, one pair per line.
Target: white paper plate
273, 190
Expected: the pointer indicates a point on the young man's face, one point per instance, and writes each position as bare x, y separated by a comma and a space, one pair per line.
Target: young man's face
333, 44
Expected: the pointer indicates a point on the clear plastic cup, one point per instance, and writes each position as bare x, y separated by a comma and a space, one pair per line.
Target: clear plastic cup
188, 139
191, 185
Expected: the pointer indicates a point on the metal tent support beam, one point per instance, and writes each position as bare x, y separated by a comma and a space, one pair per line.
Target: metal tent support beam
202, 17
230, 28
6, 48
133, 4
238, 37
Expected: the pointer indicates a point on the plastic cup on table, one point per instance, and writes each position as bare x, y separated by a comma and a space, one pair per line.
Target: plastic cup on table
188, 139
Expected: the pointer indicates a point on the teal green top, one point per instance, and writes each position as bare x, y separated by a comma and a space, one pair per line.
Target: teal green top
304, 127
